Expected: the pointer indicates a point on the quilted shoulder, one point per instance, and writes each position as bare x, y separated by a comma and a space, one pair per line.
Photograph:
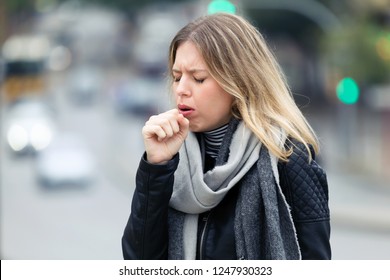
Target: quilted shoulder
305, 186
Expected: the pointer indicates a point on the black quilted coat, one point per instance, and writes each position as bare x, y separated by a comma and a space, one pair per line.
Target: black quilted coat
304, 185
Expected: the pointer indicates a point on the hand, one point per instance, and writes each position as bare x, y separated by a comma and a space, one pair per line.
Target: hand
163, 136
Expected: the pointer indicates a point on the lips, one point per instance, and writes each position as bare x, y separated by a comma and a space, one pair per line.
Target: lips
185, 110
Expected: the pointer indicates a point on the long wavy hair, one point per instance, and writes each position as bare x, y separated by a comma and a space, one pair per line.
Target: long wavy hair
239, 59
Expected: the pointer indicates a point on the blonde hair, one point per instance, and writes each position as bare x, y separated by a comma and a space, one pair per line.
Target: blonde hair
239, 59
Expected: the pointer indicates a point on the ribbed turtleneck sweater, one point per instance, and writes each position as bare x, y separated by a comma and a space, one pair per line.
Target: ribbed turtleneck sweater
213, 140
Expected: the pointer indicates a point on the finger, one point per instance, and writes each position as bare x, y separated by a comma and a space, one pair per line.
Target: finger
172, 116
168, 121
184, 123
168, 126
153, 131
173, 111
175, 125
156, 119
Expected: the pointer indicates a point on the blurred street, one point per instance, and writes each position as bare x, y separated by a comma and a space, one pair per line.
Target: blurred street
72, 222
360, 208
87, 222
103, 76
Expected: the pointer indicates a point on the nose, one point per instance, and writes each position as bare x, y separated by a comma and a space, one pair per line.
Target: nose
183, 88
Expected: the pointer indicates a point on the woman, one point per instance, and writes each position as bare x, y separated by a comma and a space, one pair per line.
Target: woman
230, 172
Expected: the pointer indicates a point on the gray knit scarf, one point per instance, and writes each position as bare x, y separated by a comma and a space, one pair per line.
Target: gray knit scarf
263, 225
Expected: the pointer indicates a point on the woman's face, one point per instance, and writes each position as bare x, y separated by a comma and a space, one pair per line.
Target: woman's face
198, 96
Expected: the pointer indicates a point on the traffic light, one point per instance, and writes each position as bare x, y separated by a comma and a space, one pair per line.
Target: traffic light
348, 91
225, 6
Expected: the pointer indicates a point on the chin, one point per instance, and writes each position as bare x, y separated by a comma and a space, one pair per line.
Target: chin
196, 128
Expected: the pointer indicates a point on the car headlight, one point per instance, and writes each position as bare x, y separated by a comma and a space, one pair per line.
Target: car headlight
40, 136
17, 137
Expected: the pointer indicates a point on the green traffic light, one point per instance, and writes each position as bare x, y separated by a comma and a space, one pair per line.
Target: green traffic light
348, 91
217, 6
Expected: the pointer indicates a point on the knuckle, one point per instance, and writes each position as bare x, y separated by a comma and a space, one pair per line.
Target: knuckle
165, 122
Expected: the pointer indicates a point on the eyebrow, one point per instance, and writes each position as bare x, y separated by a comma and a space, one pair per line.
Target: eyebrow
191, 71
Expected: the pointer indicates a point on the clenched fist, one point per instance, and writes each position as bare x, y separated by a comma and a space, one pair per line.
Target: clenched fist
163, 136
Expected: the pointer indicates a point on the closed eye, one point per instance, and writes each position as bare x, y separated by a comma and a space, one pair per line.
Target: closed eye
199, 80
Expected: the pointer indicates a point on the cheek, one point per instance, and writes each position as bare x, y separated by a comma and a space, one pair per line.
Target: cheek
219, 108
226, 101
173, 90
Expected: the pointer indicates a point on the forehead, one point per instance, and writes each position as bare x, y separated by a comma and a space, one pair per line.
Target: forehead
188, 56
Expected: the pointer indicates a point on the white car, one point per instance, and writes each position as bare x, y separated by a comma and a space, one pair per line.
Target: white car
84, 85
30, 126
67, 161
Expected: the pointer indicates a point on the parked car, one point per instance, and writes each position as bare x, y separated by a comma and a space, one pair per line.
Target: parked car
140, 96
66, 162
84, 85
30, 126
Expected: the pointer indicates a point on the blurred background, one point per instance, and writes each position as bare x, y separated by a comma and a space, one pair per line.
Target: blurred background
79, 78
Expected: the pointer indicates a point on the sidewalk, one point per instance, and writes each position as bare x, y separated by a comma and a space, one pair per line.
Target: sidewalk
358, 201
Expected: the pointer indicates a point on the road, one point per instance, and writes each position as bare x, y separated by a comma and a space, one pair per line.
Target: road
360, 216
74, 223
87, 223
